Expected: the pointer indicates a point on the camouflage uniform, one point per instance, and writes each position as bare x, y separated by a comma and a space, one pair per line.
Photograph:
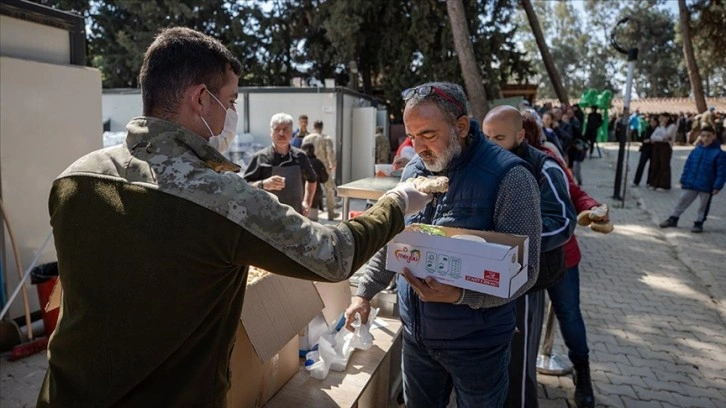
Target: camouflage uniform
325, 152
383, 149
153, 239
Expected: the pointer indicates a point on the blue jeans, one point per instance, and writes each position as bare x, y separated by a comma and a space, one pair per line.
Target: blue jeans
479, 376
565, 298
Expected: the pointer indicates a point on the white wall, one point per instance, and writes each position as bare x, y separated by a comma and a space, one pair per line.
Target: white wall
121, 105
27, 40
120, 108
318, 106
363, 147
50, 115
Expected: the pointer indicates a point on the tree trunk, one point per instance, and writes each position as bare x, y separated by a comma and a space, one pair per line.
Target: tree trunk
545, 52
693, 74
469, 67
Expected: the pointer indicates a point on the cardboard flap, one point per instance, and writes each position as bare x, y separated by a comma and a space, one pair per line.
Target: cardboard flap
275, 309
55, 297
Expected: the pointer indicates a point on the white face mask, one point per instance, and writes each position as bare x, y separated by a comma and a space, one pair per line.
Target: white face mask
222, 141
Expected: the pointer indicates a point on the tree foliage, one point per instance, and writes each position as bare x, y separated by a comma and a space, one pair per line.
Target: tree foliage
708, 25
579, 42
652, 31
394, 43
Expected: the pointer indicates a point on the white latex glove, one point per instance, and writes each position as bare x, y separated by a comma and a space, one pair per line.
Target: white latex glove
413, 199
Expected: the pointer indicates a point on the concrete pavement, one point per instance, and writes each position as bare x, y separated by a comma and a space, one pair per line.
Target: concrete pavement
652, 299
653, 302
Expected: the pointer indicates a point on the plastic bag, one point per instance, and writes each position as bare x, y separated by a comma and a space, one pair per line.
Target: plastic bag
334, 349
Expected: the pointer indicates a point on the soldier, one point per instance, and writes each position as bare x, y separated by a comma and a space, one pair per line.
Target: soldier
383, 147
325, 151
154, 238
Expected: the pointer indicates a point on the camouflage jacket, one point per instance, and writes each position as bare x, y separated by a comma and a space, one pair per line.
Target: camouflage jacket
153, 239
383, 149
324, 149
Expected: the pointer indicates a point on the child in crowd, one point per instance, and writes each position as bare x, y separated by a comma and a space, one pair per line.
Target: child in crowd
703, 176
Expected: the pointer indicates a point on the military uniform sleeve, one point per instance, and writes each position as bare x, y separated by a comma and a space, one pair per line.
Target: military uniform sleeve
330, 150
279, 240
517, 211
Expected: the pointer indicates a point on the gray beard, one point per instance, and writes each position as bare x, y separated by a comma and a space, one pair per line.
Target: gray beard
442, 161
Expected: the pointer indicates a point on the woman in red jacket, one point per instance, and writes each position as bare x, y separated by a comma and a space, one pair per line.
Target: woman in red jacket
565, 295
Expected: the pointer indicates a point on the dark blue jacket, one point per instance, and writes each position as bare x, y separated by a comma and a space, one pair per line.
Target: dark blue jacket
559, 217
705, 168
474, 178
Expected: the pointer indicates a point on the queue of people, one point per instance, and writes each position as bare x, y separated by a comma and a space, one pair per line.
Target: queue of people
195, 227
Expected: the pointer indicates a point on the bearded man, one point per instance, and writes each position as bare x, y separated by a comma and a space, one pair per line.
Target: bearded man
457, 338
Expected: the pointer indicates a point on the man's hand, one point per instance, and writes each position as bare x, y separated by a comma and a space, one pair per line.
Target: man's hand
274, 183
431, 290
357, 305
305, 208
714, 192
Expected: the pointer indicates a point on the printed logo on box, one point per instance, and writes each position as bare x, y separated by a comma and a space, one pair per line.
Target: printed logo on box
403, 255
491, 278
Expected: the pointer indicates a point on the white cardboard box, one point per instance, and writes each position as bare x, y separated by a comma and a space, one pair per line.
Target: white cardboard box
497, 267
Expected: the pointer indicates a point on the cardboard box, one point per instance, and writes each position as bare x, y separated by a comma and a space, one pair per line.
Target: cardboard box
497, 267
265, 355
336, 298
255, 382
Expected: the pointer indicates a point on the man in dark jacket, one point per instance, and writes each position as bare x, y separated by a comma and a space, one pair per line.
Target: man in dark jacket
282, 169
503, 126
454, 337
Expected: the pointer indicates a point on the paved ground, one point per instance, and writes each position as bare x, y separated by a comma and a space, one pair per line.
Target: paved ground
653, 299
654, 304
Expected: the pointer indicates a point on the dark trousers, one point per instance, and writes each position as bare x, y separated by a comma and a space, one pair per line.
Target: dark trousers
565, 298
522, 391
645, 154
659, 171
478, 376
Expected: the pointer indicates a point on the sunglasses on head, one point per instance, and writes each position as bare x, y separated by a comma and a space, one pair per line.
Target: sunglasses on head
426, 90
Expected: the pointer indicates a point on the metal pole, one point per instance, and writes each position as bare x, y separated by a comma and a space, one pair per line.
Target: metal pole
632, 57
633, 52
547, 362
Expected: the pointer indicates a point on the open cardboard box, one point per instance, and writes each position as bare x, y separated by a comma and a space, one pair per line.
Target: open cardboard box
497, 267
265, 354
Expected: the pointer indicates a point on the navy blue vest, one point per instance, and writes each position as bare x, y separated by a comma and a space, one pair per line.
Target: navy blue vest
474, 179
